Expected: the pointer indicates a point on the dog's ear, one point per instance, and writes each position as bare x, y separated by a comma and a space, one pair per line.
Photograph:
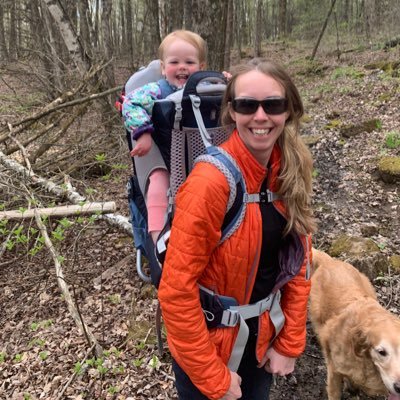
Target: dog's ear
361, 343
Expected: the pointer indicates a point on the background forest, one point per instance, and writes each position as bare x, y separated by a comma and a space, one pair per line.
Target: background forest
75, 320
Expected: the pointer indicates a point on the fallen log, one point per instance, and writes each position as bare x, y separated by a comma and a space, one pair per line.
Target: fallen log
61, 211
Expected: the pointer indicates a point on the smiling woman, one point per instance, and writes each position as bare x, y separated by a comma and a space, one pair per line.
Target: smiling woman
268, 252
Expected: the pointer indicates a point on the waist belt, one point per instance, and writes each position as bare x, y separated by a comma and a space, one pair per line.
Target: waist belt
233, 314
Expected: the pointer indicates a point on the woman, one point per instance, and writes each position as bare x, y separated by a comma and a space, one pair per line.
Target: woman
268, 254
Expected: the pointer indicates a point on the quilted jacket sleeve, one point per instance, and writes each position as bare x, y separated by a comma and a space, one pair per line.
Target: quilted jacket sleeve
292, 338
200, 209
137, 109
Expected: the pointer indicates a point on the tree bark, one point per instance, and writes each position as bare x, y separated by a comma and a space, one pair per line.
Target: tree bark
12, 44
258, 30
282, 18
68, 34
3, 45
205, 15
228, 36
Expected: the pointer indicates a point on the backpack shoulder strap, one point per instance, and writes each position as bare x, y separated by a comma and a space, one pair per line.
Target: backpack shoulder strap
229, 168
238, 196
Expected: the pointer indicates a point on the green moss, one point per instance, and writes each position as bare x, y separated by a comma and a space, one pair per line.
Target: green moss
366, 126
347, 72
392, 140
395, 262
389, 169
306, 119
351, 244
333, 124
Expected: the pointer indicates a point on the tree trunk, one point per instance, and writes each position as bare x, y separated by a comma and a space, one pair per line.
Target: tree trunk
12, 44
68, 34
282, 18
107, 42
129, 33
84, 25
187, 15
228, 36
258, 29
205, 15
153, 27
3, 45
323, 30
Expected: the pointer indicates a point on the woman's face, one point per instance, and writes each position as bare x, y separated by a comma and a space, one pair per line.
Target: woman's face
259, 130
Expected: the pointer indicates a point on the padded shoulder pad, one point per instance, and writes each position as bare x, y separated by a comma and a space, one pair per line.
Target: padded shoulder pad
151, 73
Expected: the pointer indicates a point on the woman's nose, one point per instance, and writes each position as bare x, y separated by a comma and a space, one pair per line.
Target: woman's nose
260, 114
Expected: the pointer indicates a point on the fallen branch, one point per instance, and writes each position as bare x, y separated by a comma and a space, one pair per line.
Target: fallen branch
64, 289
50, 186
60, 211
74, 197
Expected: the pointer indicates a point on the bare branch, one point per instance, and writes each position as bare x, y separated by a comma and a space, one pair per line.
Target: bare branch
64, 288
60, 211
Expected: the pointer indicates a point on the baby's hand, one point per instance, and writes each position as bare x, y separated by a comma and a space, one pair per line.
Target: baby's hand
227, 75
142, 146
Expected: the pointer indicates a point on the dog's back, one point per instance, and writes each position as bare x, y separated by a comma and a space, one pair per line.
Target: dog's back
335, 284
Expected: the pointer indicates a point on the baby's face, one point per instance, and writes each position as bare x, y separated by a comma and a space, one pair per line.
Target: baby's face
180, 60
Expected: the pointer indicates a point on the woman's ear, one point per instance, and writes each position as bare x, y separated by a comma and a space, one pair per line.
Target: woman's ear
231, 112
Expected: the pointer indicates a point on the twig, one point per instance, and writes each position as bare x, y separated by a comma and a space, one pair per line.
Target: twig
22, 148
64, 288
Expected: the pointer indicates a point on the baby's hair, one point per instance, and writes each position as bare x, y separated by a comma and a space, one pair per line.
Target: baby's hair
188, 36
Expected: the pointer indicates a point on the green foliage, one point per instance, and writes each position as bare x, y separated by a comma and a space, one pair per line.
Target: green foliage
392, 140
155, 362
34, 326
315, 173
78, 368
43, 355
347, 72
122, 167
100, 157
3, 357
115, 298
137, 362
113, 390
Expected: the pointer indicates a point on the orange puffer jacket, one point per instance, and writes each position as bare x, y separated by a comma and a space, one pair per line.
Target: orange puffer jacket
194, 257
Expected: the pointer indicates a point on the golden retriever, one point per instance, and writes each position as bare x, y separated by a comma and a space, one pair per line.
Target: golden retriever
360, 340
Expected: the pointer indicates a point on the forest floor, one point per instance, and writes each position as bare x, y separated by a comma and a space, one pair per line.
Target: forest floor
42, 354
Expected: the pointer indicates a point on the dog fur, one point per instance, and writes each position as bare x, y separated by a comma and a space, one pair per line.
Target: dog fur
360, 339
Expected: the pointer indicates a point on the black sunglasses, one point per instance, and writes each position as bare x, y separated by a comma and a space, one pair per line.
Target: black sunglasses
271, 105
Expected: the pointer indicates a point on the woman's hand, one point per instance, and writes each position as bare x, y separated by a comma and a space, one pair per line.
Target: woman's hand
142, 146
234, 392
276, 363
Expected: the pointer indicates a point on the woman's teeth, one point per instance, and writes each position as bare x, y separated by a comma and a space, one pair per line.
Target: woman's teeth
261, 132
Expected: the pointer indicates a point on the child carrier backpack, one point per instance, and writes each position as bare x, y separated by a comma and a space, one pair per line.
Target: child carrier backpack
187, 131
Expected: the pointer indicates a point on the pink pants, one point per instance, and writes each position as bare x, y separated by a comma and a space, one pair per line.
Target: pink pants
157, 201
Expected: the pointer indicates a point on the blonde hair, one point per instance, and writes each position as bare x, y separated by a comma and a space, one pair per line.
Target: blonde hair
295, 177
188, 36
